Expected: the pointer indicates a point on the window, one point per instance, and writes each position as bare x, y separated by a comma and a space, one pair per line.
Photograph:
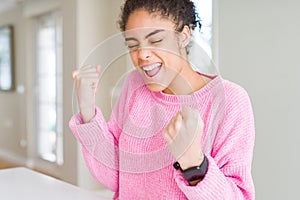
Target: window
6, 58
48, 87
204, 8
200, 52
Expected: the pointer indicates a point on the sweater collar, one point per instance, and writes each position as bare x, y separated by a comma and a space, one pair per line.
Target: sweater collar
189, 99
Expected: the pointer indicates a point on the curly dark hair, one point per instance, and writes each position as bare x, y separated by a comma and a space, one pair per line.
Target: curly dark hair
182, 12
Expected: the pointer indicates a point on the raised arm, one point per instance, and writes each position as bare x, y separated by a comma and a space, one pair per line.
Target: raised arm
229, 169
99, 139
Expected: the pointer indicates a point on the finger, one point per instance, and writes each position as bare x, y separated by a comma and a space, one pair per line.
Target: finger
178, 121
90, 68
189, 115
167, 137
185, 111
98, 69
74, 74
86, 69
87, 75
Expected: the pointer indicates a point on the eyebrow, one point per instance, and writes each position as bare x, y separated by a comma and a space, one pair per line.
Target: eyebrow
148, 35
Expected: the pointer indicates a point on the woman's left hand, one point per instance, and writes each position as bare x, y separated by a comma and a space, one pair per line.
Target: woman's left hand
183, 135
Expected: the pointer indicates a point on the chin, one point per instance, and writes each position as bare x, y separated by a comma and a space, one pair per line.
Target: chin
155, 87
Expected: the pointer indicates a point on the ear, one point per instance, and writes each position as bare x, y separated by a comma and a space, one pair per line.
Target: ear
185, 36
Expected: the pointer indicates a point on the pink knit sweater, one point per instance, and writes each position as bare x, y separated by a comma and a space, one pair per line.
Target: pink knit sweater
130, 156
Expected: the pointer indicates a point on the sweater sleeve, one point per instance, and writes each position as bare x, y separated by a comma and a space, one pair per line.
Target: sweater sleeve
229, 172
99, 147
99, 140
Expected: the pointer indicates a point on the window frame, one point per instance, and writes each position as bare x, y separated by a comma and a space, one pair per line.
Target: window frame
58, 152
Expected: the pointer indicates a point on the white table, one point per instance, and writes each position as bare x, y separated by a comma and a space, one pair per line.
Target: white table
24, 184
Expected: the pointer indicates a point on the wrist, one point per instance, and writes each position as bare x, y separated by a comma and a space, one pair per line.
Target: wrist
194, 174
87, 114
186, 163
195, 182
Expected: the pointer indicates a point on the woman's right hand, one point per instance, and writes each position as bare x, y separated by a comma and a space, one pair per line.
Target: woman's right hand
86, 83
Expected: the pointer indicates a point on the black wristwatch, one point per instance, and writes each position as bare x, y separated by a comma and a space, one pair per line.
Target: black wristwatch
194, 173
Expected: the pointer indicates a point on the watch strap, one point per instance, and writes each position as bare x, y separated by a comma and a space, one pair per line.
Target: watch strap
193, 173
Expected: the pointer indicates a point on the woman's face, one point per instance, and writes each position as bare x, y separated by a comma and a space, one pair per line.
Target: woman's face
156, 49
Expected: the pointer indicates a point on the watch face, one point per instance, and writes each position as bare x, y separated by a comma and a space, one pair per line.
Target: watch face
194, 173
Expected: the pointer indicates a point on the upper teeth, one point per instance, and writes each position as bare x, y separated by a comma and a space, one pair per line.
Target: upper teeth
151, 67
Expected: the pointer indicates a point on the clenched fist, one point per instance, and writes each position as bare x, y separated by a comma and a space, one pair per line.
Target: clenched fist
86, 83
183, 135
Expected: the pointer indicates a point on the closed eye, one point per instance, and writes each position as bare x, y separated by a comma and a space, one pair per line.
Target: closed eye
156, 41
133, 46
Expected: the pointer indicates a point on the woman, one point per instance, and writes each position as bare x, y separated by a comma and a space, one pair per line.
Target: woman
155, 143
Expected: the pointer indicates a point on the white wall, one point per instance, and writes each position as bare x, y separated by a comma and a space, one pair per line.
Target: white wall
96, 21
12, 114
259, 49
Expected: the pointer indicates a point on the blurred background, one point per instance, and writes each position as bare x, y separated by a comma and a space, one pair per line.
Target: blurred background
254, 43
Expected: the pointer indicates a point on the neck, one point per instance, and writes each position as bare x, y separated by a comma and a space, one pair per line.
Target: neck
186, 82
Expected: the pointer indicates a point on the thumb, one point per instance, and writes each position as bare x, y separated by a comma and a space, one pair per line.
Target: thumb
178, 121
185, 112
74, 74
98, 69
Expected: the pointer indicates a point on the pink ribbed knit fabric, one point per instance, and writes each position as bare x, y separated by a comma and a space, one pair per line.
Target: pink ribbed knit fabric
130, 156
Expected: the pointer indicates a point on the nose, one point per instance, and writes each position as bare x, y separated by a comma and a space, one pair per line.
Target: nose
144, 53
